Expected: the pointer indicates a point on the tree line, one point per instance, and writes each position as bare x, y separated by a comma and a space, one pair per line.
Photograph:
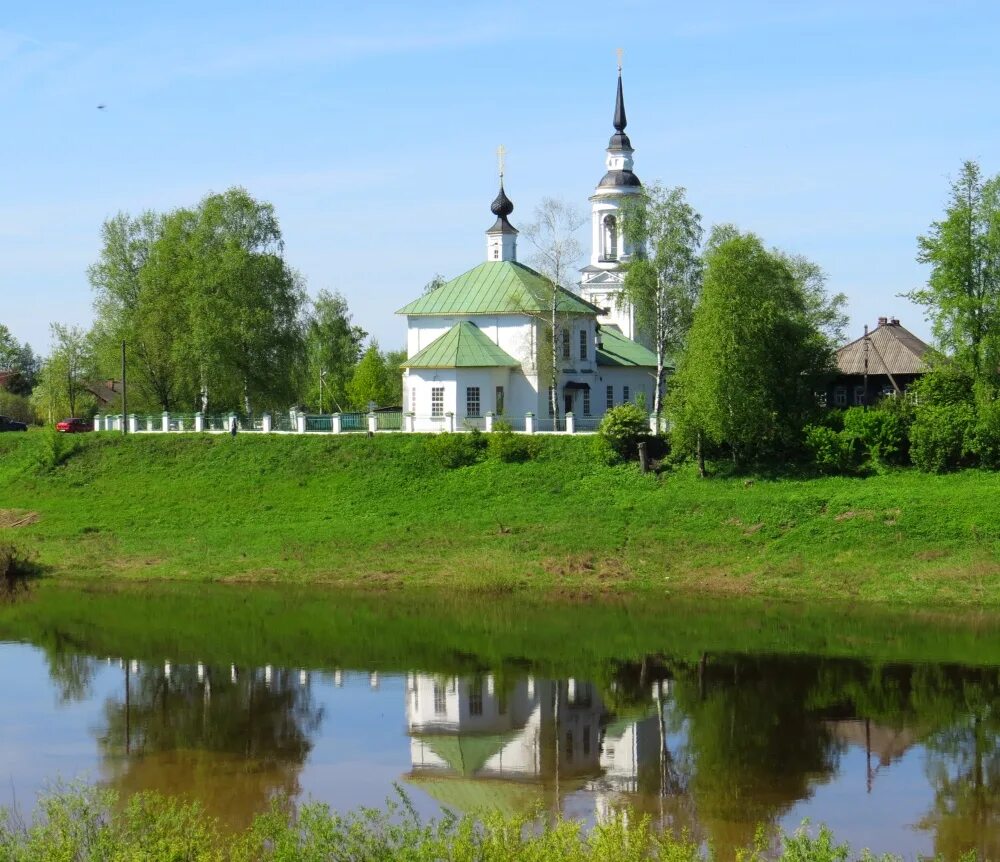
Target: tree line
213, 319
748, 335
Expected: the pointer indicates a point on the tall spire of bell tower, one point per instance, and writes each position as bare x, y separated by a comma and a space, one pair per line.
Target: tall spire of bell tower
501, 238
620, 120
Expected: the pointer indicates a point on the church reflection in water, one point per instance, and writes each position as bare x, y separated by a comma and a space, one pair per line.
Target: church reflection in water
515, 745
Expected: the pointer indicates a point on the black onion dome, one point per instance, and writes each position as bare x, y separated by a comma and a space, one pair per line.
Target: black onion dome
502, 205
619, 179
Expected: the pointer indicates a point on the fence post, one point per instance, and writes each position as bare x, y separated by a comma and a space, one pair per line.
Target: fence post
409, 422
336, 423
529, 423
372, 423
265, 423
489, 421
199, 422
180, 423
300, 423
97, 422
450, 423
570, 423
165, 425
133, 423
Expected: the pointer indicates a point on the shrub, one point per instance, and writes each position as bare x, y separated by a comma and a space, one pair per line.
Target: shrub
621, 431
456, 450
941, 436
832, 451
506, 446
985, 441
882, 433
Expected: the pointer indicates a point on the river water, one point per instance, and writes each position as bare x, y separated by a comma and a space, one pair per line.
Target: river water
893, 754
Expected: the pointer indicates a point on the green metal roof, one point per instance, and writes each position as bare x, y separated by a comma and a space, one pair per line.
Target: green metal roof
465, 345
616, 349
497, 287
464, 752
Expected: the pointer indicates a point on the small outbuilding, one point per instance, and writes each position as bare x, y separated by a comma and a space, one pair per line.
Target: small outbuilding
882, 362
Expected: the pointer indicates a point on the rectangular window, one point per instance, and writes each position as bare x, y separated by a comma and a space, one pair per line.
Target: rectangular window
499, 404
586, 741
437, 401
472, 401
859, 396
413, 400
583, 343
565, 344
551, 390
610, 397
569, 745
586, 402
502, 703
440, 703
625, 395
476, 697
840, 396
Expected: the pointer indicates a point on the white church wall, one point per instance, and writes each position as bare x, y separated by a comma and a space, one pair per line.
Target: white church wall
638, 380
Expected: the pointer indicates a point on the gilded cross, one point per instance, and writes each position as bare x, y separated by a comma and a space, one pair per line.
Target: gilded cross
501, 152
620, 53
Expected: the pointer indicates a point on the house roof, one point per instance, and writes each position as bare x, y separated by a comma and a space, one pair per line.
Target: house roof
496, 287
466, 753
465, 345
892, 349
618, 350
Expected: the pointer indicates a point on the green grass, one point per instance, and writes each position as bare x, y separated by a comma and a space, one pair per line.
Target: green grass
382, 512
83, 823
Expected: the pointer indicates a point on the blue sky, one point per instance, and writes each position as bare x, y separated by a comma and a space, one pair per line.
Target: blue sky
829, 128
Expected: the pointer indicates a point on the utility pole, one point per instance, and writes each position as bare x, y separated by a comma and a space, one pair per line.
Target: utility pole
124, 402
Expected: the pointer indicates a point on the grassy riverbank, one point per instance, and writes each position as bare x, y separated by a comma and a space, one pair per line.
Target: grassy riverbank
384, 512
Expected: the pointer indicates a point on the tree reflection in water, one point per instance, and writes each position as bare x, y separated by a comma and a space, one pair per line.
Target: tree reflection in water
231, 738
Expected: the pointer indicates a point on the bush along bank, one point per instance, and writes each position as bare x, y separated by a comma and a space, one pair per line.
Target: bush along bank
944, 422
84, 823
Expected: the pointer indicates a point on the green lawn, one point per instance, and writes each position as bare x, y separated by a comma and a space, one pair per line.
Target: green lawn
381, 512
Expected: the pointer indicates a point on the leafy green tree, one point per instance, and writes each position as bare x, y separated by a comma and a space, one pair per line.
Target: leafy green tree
754, 359
371, 383
245, 302
209, 310
19, 358
663, 283
962, 294
436, 282
62, 385
333, 348
140, 300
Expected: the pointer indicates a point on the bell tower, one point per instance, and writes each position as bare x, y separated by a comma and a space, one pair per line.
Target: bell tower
602, 279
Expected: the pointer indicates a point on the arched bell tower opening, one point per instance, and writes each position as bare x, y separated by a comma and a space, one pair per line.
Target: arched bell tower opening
610, 238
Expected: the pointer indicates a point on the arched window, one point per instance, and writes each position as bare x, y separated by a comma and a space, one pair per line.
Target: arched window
610, 238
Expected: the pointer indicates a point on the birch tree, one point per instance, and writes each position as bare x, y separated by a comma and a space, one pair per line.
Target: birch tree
557, 252
962, 295
663, 282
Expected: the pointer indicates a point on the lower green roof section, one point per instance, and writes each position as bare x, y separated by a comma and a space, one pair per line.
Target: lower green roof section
618, 350
465, 345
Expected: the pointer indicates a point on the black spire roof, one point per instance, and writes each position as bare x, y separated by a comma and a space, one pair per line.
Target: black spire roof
619, 140
502, 207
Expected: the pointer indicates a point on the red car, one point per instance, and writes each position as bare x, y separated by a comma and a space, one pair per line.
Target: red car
74, 426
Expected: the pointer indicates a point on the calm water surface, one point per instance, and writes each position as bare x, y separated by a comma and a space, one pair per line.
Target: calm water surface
896, 756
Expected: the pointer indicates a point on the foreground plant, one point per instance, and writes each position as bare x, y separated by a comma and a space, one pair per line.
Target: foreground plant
78, 822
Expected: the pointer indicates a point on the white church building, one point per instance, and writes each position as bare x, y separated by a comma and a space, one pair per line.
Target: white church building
477, 345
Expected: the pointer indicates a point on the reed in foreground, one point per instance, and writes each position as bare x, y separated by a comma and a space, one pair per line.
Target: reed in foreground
85, 824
